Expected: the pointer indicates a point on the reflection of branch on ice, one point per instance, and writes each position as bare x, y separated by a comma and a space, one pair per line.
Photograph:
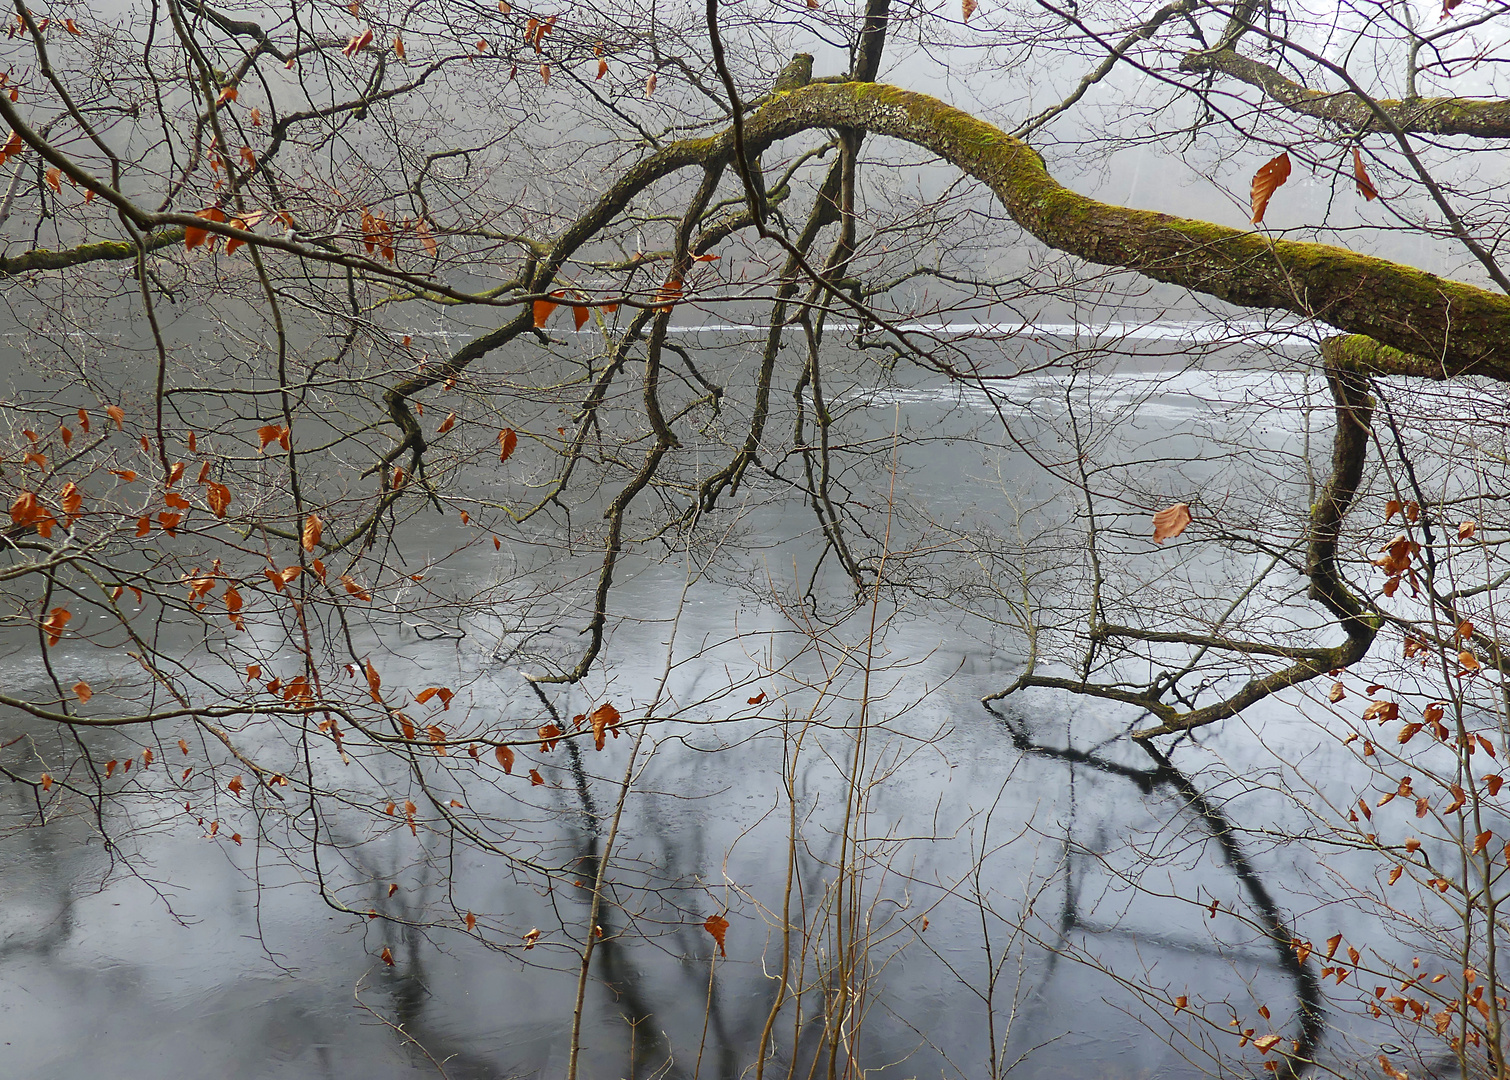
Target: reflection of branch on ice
1164, 774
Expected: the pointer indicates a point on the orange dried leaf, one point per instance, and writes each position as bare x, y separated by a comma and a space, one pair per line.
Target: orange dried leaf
57, 618
219, 497
536, 780
1170, 522
542, 310
505, 756
1360, 177
507, 441
235, 787
717, 926
116, 413
1265, 182
310, 537
1481, 841
82, 691
603, 718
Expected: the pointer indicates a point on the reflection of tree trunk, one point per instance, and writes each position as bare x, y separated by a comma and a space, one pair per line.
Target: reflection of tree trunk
1308, 998
1307, 986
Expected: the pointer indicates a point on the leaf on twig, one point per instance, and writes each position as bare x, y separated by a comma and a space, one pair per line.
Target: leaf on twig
1360, 177
1170, 522
1275, 172
717, 925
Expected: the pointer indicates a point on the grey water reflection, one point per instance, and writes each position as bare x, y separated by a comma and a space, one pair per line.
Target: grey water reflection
206, 960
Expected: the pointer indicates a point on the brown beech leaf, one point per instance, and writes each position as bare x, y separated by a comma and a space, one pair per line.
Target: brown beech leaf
56, 620
268, 433
219, 497
1275, 172
1170, 522
1336, 693
507, 441
311, 534
1382, 711
757, 699
541, 311
717, 926
1360, 177
1481, 841
603, 718
71, 499
1466, 529
387, 956
374, 683
505, 756
235, 787
82, 691
471, 921
967, 8
602, 70
650, 85
536, 780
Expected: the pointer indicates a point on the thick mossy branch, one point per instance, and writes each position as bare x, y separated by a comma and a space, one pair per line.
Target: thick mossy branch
101, 251
1428, 116
1465, 328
